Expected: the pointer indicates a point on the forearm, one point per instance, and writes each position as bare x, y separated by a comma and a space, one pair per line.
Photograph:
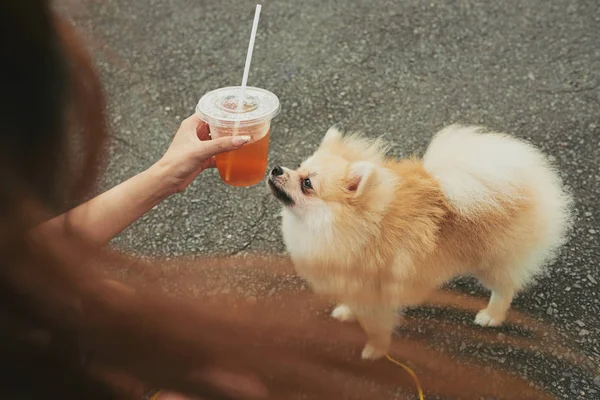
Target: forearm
105, 216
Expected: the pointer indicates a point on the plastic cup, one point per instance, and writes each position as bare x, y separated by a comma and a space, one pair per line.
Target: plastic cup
247, 165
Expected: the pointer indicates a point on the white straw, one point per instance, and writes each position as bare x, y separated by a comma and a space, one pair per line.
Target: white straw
240, 104
249, 56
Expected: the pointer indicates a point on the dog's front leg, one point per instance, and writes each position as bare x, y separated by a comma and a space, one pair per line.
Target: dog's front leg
378, 323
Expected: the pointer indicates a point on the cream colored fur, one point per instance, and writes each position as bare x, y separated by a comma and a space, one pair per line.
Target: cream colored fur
377, 234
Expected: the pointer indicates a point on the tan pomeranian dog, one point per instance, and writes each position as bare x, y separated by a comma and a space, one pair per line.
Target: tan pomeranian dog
378, 234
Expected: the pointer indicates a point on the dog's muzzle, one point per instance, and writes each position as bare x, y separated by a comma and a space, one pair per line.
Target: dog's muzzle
279, 193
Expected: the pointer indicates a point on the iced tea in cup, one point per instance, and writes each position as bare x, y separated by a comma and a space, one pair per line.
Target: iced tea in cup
221, 109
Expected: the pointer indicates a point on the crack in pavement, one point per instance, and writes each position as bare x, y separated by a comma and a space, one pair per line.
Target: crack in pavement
253, 226
568, 90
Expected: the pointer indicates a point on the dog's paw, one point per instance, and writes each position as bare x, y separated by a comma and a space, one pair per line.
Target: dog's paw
343, 313
371, 352
484, 318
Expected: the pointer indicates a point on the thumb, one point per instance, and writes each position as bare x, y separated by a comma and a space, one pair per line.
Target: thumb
213, 147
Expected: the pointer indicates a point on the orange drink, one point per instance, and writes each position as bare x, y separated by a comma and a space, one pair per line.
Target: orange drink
245, 166
222, 111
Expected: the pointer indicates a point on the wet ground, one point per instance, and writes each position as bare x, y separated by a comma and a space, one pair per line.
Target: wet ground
403, 69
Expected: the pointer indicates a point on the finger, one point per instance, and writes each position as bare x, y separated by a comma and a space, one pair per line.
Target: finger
212, 163
213, 147
192, 123
203, 131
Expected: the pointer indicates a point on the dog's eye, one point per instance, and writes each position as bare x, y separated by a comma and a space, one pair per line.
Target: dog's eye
306, 183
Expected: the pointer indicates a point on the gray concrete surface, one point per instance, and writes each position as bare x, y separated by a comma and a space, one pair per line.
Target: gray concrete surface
403, 68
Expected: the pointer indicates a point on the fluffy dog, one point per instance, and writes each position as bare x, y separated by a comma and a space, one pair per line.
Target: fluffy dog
378, 234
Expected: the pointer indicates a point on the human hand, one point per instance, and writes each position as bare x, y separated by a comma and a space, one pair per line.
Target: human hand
192, 151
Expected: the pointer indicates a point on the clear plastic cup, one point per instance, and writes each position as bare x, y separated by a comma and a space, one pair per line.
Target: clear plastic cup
245, 166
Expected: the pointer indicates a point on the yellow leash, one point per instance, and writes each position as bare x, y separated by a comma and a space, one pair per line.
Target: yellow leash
404, 367
398, 363
411, 373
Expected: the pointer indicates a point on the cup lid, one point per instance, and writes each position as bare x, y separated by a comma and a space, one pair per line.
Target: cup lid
220, 107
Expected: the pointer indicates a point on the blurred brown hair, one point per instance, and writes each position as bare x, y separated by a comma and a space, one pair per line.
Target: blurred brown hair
67, 334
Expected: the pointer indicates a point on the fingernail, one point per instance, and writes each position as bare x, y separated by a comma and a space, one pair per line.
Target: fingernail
240, 140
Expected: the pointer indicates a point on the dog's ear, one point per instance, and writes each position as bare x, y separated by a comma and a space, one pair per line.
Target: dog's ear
360, 176
333, 135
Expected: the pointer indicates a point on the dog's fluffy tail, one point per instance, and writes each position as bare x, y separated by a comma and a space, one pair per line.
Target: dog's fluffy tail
482, 172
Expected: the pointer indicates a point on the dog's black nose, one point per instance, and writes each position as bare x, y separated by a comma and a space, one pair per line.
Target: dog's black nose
277, 171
